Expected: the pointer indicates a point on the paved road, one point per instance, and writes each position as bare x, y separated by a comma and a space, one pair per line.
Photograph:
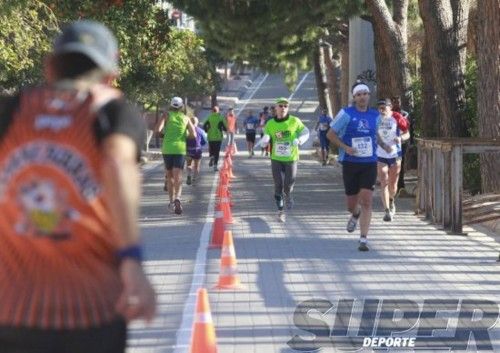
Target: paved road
309, 257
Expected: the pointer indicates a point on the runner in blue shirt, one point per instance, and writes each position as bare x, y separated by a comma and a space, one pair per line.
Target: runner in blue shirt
250, 123
322, 127
354, 131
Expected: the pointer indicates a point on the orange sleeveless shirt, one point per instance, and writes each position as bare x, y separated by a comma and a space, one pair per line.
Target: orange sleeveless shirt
57, 264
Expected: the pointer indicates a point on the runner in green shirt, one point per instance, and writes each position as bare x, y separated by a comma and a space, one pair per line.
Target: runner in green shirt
214, 125
285, 132
176, 128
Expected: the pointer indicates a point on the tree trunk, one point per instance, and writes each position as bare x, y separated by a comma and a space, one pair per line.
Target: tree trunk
488, 85
445, 23
345, 91
429, 122
385, 83
320, 83
332, 67
391, 43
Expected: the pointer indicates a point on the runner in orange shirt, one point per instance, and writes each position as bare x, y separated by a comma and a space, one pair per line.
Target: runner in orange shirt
232, 126
70, 254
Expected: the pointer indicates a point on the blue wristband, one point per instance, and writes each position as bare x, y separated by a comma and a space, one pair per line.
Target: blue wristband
131, 252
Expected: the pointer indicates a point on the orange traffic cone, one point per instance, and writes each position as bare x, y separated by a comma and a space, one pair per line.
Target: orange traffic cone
228, 278
217, 230
225, 207
203, 339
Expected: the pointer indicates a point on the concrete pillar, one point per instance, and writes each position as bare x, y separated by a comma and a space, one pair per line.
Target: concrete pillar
362, 54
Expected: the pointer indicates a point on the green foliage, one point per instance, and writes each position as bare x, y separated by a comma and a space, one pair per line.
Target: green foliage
472, 176
156, 61
274, 35
472, 170
25, 33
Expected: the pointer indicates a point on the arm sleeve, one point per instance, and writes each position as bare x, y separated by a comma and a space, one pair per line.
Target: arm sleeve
206, 126
403, 123
120, 117
339, 124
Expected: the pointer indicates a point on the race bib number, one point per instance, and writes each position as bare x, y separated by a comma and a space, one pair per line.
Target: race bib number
363, 146
250, 126
323, 127
283, 149
388, 133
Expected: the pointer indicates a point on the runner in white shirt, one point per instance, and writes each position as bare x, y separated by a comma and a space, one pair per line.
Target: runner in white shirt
392, 130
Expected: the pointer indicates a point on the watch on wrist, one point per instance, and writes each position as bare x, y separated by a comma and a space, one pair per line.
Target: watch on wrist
133, 252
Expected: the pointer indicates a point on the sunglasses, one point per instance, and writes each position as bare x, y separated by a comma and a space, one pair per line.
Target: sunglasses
283, 106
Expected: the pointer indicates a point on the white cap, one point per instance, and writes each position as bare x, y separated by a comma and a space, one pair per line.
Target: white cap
176, 102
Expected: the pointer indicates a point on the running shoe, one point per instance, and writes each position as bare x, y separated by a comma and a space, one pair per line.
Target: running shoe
282, 216
211, 162
279, 202
363, 246
352, 223
216, 169
188, 181
170, 206
392, 206
177, 207
324, 163
387, 215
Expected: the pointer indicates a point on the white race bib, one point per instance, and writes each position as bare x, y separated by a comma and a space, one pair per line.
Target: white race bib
250, 126
388, 132
283, 149
323, 127
363, 146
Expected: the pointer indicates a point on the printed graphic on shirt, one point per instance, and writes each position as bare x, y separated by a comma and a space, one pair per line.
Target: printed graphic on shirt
46, 211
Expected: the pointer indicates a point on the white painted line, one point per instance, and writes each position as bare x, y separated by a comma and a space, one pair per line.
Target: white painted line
298, 86
254, 90
183, 336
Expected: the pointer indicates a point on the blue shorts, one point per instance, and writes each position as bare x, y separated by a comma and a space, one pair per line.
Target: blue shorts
323, 141
389, 161
173, 161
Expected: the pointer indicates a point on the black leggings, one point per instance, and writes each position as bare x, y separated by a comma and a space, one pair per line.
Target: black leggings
214, 150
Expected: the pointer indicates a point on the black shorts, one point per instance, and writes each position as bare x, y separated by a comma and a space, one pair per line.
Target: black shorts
250, 137
174, 161
358, 176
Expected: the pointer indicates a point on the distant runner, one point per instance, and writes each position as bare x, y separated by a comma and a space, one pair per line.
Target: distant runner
322, 127
286, 132
214, 125
250, 123
392, 130
176, 128
232, 126
194, 153
354, 131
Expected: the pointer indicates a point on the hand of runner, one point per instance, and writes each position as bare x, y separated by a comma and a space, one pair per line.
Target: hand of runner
397, 140
138, 299
295, 142
350, 151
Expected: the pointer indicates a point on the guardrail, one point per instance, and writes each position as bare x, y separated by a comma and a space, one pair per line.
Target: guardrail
440, 178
